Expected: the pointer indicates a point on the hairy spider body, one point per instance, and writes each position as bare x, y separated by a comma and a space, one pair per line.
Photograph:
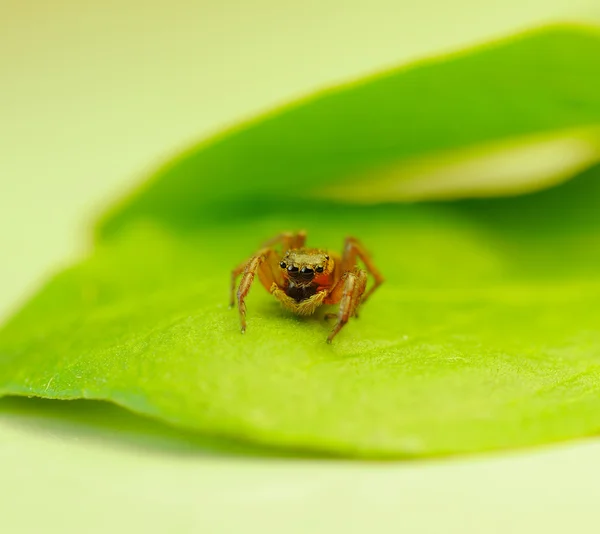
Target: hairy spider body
303, 279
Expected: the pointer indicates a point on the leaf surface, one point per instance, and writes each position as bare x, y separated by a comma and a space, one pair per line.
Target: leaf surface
485, 335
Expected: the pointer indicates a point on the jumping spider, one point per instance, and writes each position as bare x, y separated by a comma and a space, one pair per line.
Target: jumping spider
305, 278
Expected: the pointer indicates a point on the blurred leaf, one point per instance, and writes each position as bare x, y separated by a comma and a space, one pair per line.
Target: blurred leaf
484, 336
541, 82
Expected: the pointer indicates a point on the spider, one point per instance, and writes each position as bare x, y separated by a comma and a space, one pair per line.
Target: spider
303, 279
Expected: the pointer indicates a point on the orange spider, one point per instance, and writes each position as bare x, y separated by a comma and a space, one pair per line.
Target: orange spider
305, 278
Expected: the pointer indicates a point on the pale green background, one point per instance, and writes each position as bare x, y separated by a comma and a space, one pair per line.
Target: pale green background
94, 94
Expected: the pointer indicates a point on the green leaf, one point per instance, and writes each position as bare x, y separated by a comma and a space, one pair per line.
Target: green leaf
484, 336
543, 82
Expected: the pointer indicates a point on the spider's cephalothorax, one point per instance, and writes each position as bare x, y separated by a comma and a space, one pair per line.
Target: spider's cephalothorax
305, 270
303, 279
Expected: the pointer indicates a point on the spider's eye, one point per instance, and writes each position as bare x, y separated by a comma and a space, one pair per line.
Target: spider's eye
319, 269
282, 264
292, 269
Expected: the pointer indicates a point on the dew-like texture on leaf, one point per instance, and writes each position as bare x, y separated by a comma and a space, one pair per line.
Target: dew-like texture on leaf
485, 335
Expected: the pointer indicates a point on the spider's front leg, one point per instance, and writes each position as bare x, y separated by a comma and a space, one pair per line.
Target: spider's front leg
286, 239
348, 292
259, 264
262, 263
353, 248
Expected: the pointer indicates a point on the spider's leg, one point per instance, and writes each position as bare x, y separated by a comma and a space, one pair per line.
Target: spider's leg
348, 293
265, 264
234, 274
244, 288
267, 272
288, 240
256, 264
353, 248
